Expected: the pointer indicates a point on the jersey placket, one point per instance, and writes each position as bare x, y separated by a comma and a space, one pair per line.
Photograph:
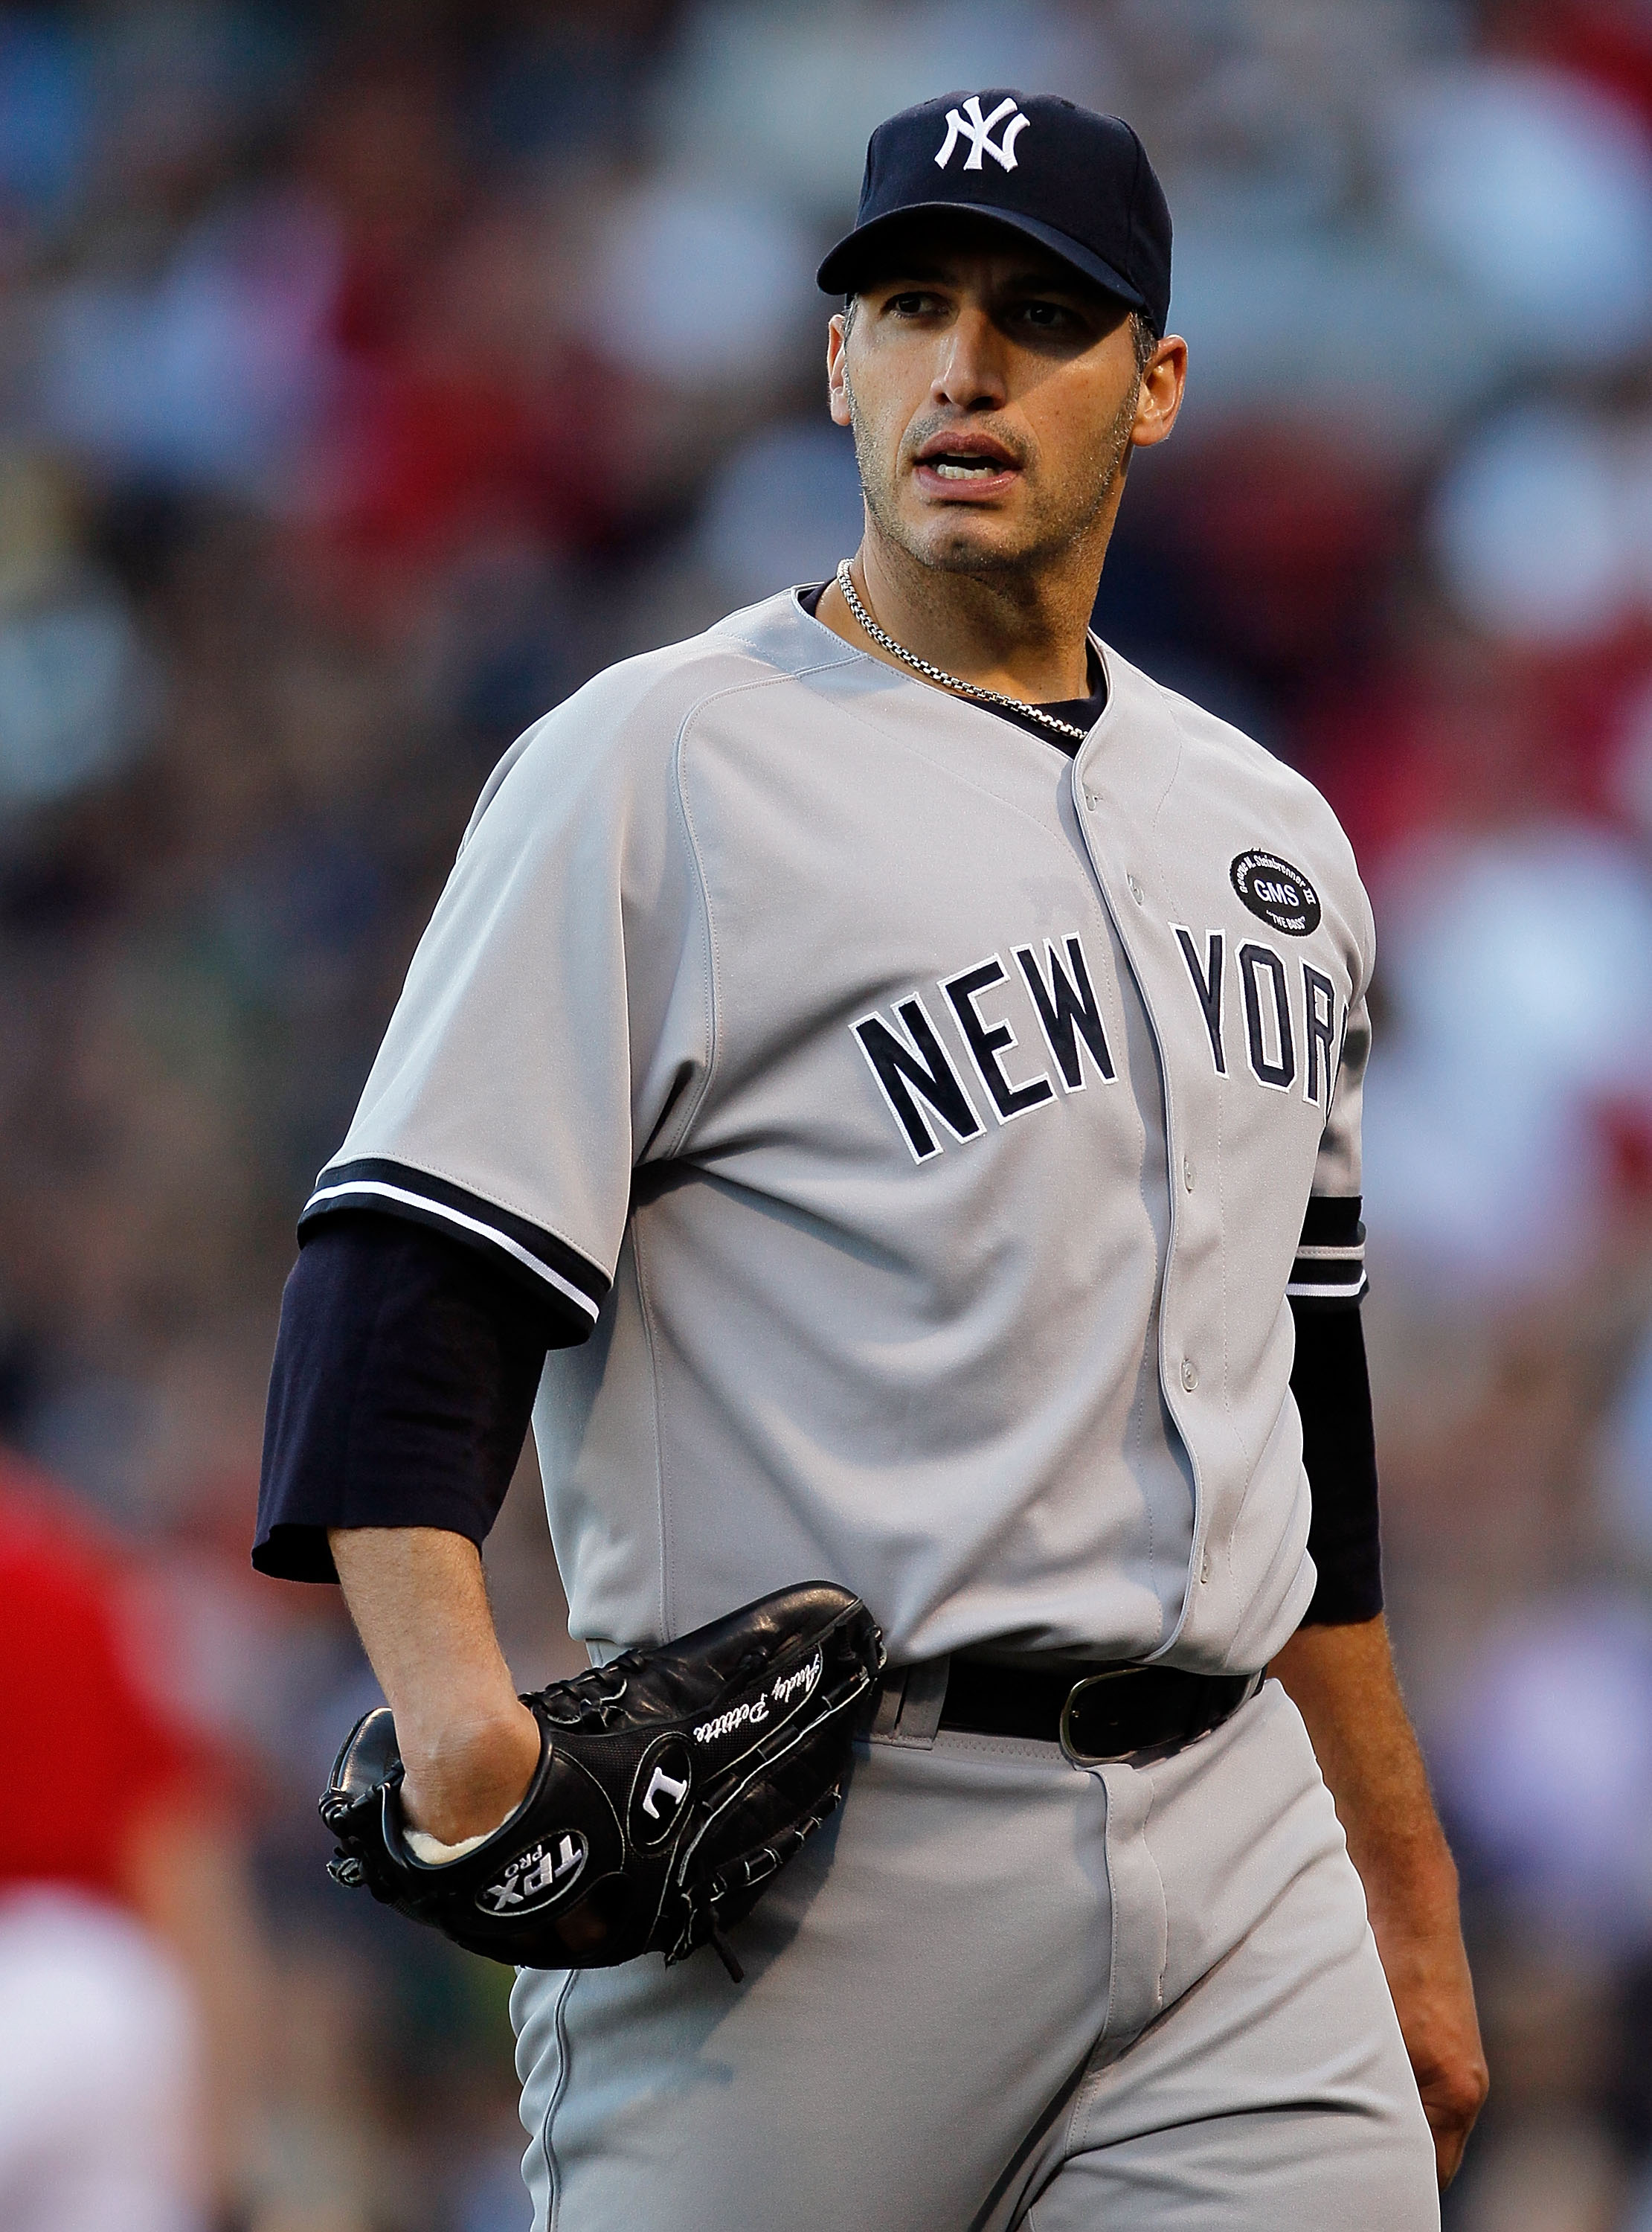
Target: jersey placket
1120, 856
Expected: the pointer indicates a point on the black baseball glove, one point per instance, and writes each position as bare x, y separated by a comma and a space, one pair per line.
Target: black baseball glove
672, 1784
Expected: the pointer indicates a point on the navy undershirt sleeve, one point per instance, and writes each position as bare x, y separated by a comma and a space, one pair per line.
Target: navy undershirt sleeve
403, 1380
1332, 1385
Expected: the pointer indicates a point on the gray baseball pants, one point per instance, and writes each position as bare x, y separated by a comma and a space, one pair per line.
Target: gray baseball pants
996, 1992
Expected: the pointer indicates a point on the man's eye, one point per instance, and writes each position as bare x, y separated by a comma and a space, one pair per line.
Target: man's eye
911, 305
1050, 316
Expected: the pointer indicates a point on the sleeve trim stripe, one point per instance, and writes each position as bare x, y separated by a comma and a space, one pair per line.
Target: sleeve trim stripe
1348, 1290
1352, 1254
368, 1185
361, 1192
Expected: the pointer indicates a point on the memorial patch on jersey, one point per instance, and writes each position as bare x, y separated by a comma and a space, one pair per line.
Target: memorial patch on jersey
1276, 894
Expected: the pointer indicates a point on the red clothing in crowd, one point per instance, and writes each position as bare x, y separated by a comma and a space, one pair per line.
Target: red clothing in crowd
88, 1750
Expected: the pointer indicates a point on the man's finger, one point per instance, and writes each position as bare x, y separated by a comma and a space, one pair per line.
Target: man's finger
1451, 2101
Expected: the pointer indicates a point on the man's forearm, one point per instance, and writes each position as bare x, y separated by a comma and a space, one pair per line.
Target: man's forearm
420, 1605
1342, 1681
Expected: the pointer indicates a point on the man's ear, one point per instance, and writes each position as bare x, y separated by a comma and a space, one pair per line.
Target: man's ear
1159, 397
837, 371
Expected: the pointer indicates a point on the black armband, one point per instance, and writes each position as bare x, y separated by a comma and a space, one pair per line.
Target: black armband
1331, 1386
405, 1375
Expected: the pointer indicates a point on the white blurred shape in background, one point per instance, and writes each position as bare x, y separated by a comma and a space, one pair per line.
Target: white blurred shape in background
99, 2073
1540, 527
786, 508
210, 371
1546, 1756
786, 98
1625, 1458
1238, 298
690, 283
80, 688
78, 695
1535, 189
1516, 970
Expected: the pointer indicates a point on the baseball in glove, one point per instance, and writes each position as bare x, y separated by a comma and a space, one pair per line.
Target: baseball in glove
672, 1784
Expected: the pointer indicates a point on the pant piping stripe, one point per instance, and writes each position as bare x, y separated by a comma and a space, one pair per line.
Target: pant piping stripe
546, 2149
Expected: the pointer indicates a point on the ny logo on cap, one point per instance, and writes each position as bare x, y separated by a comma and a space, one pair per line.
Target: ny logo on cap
978, 130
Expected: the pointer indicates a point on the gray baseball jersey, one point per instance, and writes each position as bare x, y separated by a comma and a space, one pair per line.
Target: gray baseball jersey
924, 1126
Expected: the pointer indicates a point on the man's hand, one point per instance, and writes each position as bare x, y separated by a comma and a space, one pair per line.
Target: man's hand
1434, 1997
420, 1605
1342, 1681
466, 1780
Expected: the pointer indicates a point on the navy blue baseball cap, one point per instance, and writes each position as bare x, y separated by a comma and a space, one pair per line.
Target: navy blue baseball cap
1078, 184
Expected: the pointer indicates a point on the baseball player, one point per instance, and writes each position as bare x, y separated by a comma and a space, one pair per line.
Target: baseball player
882, 1085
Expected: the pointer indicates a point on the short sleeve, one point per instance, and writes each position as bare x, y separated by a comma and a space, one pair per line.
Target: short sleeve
555, 1028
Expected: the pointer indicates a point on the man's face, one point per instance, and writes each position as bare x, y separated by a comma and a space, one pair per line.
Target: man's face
993, 397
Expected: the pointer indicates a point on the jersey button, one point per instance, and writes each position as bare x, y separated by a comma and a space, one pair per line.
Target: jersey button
1136, 890
1187, 1171
1189, 1374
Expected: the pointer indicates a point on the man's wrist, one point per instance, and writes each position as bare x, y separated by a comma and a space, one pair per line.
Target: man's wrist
1410, 1868
464, 1776
1411, 1919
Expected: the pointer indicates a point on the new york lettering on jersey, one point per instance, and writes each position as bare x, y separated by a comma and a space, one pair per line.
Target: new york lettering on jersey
1288, 1022
914, 1073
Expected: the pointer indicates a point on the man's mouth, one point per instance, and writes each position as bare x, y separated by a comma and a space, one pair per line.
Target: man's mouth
965, 464
966, 469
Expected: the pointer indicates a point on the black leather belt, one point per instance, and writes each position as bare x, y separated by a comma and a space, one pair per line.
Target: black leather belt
1116, 1713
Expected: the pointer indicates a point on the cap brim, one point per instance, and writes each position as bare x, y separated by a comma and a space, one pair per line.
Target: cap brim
838, 275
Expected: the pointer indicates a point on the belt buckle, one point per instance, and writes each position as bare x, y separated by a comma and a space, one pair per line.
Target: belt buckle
1069, 1747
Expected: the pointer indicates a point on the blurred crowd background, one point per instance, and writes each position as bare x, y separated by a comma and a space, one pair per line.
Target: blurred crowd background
371, 374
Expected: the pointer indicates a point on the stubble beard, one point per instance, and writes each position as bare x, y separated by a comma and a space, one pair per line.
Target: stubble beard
1050, 532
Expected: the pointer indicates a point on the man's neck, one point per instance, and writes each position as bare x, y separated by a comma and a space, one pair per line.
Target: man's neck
1026, 639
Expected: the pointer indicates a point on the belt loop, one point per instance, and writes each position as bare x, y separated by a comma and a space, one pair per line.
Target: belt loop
891, 1696
918, 1693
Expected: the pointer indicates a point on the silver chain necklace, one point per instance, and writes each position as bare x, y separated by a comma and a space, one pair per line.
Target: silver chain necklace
939, 674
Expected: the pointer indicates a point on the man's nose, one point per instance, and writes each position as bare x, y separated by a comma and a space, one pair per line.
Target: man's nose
970, 375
